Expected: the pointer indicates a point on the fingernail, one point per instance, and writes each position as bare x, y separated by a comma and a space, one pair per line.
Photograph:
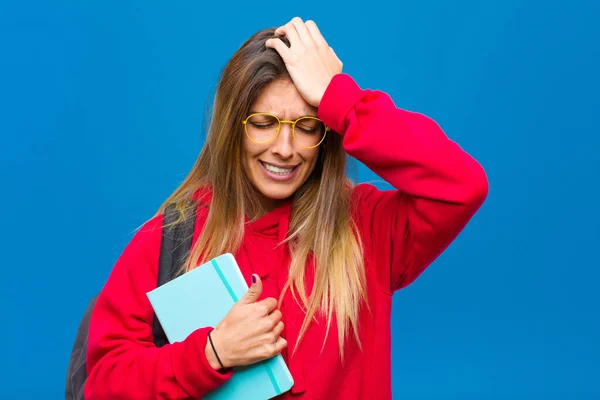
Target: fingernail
253, 279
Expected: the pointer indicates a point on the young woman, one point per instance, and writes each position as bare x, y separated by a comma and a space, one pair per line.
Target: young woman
323, 256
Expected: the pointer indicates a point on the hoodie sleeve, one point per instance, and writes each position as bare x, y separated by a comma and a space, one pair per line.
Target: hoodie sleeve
438, 186
123, 361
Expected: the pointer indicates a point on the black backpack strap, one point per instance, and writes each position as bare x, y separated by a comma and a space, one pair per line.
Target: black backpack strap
77, 369
174, 249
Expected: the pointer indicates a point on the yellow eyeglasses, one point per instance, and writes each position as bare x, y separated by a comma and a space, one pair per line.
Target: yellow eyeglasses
262, 128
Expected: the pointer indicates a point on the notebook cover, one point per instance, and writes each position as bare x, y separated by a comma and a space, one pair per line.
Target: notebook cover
202, 297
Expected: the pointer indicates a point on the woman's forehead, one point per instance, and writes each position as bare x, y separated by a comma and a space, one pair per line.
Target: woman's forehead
281, 98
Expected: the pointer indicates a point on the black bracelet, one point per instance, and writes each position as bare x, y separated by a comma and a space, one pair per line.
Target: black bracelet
215, 351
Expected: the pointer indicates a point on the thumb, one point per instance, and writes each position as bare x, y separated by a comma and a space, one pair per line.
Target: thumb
254, 292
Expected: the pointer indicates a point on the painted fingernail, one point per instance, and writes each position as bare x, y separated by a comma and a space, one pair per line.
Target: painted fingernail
253, 279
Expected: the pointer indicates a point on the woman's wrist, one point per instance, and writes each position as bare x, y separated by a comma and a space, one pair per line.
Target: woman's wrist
211, 354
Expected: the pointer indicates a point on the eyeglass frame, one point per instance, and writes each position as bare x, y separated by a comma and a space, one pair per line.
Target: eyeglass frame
281, 121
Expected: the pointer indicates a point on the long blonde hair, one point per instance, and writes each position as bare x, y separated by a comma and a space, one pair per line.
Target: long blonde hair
321, 223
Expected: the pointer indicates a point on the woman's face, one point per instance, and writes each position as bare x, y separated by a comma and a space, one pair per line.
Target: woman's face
278, 168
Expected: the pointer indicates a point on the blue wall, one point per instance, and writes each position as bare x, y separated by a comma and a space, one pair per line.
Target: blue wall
101, 113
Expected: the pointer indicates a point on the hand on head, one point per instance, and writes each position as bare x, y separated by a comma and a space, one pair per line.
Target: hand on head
311, 62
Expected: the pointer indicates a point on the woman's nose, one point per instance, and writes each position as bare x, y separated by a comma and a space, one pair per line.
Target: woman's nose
283, 145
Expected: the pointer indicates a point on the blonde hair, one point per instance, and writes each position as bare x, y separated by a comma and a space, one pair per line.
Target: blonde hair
329, 235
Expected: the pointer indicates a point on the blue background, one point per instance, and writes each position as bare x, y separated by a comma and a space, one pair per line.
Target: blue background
101, 114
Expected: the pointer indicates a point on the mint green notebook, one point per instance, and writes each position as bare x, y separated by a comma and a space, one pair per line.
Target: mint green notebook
202, 297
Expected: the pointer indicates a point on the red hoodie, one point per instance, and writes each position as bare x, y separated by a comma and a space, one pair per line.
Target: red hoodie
439, 188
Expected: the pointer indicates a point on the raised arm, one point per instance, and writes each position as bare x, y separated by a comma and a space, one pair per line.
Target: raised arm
439, 187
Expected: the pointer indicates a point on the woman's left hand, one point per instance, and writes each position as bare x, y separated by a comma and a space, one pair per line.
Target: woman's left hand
309, 59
